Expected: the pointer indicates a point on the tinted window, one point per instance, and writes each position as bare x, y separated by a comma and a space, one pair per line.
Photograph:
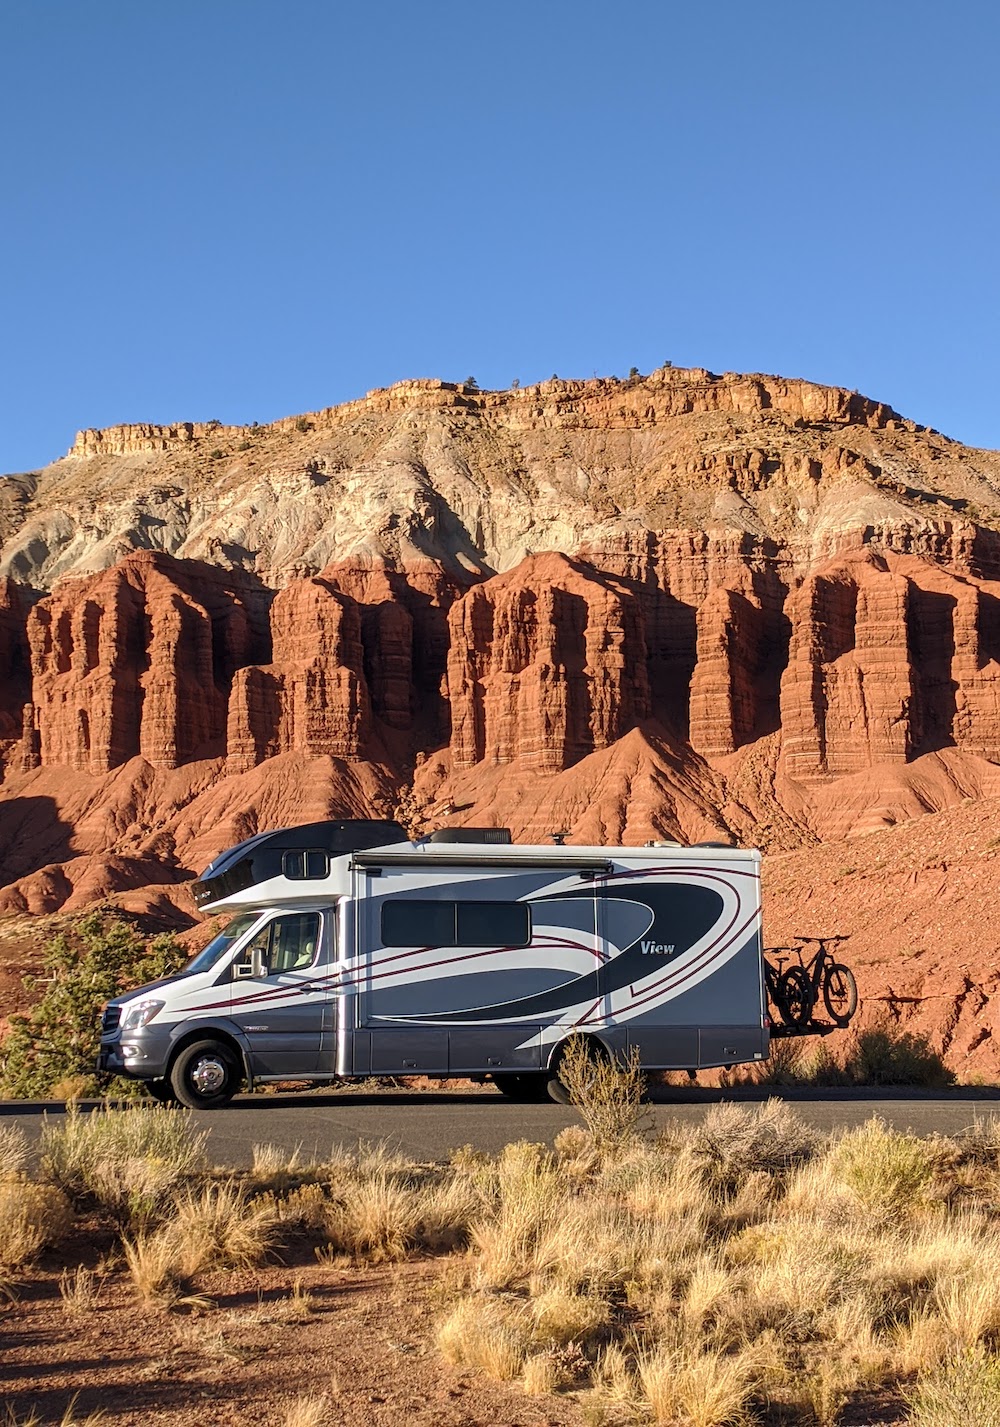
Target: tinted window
407, 923
418, 924
317, 864
493, 924
298, 866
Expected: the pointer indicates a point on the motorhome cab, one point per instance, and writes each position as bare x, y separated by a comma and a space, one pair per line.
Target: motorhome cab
351, 952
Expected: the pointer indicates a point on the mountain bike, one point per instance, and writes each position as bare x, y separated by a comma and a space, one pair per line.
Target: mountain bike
820, 976
788, 990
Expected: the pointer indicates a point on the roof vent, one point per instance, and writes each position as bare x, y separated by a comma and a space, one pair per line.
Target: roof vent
471, 834
714, 844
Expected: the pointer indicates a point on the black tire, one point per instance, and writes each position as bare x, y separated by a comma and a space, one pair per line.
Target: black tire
794, 997
529, 1088
161, 1090
555, 1088
840, 993
206, 1074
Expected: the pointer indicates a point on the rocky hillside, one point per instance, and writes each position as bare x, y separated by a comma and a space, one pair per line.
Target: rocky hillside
681, 605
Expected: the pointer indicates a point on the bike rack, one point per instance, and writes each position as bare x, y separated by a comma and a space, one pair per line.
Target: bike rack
779, 1031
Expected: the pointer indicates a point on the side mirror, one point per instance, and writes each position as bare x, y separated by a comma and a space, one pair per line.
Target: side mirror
250, 969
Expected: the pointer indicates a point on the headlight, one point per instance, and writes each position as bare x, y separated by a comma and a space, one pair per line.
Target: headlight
140, 1014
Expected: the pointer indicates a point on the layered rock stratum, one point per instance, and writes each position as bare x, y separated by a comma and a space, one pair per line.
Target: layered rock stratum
684, 605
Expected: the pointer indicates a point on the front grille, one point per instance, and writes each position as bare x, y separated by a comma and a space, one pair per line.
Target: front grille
109, 1021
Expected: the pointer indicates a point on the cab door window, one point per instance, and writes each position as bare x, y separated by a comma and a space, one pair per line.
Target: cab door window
288, 943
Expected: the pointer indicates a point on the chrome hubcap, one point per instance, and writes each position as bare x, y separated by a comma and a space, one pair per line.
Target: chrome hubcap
208, 1075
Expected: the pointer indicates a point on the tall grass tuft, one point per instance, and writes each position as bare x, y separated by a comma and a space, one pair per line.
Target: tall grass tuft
482, 1333
13, 1152
31, 1217
220, 1226
964, 1391
128, 1162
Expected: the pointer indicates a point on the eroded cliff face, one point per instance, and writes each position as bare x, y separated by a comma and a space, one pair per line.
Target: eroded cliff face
719, 645
686, 606
473, 482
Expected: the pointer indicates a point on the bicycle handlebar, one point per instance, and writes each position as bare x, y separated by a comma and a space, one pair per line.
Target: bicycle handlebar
821, 939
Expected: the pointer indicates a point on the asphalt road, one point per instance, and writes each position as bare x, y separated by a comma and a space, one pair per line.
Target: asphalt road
427, 1126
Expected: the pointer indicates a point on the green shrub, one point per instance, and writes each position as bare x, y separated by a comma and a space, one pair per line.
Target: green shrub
99, 957
885, 1055
885, 1169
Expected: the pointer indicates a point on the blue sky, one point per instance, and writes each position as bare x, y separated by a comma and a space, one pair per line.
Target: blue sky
238, 210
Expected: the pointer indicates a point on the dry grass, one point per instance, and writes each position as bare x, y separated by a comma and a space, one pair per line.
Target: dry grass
741, 1270
220, 1226
540, 1375
13, 1152
128, 1162
275, 1169
562, 1316
485, 1334
156, 1272
68, 1418
734, 1141
80, 1290
745, 1262
698, 1389
31, 1216
887, 1172
610, 1095
964, 1391
307, 1412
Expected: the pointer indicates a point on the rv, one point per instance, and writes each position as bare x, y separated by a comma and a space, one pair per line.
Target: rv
351, 951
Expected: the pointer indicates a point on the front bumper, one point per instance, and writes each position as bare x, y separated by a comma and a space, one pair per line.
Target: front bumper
142, 1055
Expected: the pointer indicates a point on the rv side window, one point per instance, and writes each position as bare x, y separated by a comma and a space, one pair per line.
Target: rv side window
307, 865
418, 924
494, 924
412, 923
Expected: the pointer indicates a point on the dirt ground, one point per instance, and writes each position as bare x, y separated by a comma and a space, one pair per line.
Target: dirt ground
366, 1343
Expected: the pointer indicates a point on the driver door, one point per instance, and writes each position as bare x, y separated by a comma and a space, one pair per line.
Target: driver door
279, 990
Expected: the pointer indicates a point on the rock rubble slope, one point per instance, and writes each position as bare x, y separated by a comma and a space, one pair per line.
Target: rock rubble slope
684, 605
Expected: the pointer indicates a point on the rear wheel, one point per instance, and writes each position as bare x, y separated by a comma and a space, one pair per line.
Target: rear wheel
594, 1054
795, 998
205, 1074
529, 1087
840, 993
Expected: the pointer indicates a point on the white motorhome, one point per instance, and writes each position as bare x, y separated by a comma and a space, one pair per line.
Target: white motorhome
352, 951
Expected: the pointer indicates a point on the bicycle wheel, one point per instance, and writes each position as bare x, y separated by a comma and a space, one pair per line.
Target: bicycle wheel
840, 993
795, 997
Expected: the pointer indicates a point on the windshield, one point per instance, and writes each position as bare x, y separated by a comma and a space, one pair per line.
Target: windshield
220, 944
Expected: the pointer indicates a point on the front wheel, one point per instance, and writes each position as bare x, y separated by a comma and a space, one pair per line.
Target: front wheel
161, 1090
840, 993
205, 1075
